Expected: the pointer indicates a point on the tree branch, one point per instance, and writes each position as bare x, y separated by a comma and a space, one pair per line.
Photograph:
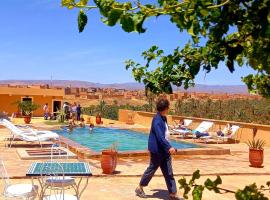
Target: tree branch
223, 189
160, 10
219, 5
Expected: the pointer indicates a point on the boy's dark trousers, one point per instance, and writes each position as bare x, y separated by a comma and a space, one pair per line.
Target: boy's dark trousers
164, 161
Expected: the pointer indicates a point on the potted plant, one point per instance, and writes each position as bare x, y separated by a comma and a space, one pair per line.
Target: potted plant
101, 110
109, 159
256, 152
61, 115
27, 108
98, 119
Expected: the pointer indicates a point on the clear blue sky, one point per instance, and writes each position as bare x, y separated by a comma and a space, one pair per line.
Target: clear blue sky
39, 38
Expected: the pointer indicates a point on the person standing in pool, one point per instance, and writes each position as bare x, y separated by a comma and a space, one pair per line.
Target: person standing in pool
160, 152
91, 127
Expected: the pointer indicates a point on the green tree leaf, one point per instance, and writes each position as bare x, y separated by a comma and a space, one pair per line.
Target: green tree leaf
167, 88
139, 20
196, 175
239, 60
204, 12
218, 181
82, 3
114, 16
268, 183
127, 23
197, 192
82, 21
191, 30
68, 3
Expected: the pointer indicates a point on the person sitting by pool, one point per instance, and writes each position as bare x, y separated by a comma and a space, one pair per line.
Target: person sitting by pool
82, 124
181, 125
91, 127
199, 134
226, 131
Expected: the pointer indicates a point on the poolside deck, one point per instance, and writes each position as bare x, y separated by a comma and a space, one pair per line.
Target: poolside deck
233, 168
122, 188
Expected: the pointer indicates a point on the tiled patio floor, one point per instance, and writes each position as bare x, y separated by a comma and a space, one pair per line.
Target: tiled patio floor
122, 188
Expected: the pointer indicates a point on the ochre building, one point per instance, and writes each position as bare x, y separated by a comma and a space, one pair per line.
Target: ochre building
9, 95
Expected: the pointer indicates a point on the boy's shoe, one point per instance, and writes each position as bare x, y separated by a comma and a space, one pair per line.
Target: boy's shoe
175, 198
140, 193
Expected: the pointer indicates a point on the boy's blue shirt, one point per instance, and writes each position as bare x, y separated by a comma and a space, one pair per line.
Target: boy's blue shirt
157, 142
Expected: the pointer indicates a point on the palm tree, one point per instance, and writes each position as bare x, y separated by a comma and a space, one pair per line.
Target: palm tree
151, 100
102, 107
178, 107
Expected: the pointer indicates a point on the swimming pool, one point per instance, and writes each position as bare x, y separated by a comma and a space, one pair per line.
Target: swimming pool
103, 138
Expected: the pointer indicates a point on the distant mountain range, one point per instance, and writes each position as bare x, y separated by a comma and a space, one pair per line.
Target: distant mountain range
234, 89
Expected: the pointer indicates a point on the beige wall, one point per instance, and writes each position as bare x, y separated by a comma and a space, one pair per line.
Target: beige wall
245, 132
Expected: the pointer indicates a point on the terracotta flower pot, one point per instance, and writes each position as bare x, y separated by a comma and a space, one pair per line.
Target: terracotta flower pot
256, 157
88, 121
27, 119
108, 161
98, 119
130, 120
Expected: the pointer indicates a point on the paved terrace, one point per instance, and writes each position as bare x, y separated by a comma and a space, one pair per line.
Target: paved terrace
234, 169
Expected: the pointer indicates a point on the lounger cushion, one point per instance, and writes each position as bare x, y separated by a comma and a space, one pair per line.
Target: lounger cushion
181, 131
206, 137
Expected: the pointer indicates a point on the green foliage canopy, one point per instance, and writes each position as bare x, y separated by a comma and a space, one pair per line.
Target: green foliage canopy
236, 31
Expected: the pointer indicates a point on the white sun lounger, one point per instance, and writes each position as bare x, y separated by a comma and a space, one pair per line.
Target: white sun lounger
29, 134
187, 122
202, 128
181, 132
234, 130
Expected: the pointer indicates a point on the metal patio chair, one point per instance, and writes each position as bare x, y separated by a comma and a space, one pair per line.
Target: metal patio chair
16, 191
54, 183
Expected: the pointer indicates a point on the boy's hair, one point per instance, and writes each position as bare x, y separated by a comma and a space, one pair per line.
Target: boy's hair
162, 104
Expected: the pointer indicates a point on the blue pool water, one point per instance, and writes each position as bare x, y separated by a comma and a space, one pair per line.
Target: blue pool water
103, 138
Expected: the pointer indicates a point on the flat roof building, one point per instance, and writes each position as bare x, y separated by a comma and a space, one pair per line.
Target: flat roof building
10, 95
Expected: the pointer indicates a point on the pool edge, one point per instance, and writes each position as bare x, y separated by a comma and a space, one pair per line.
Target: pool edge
84, 152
